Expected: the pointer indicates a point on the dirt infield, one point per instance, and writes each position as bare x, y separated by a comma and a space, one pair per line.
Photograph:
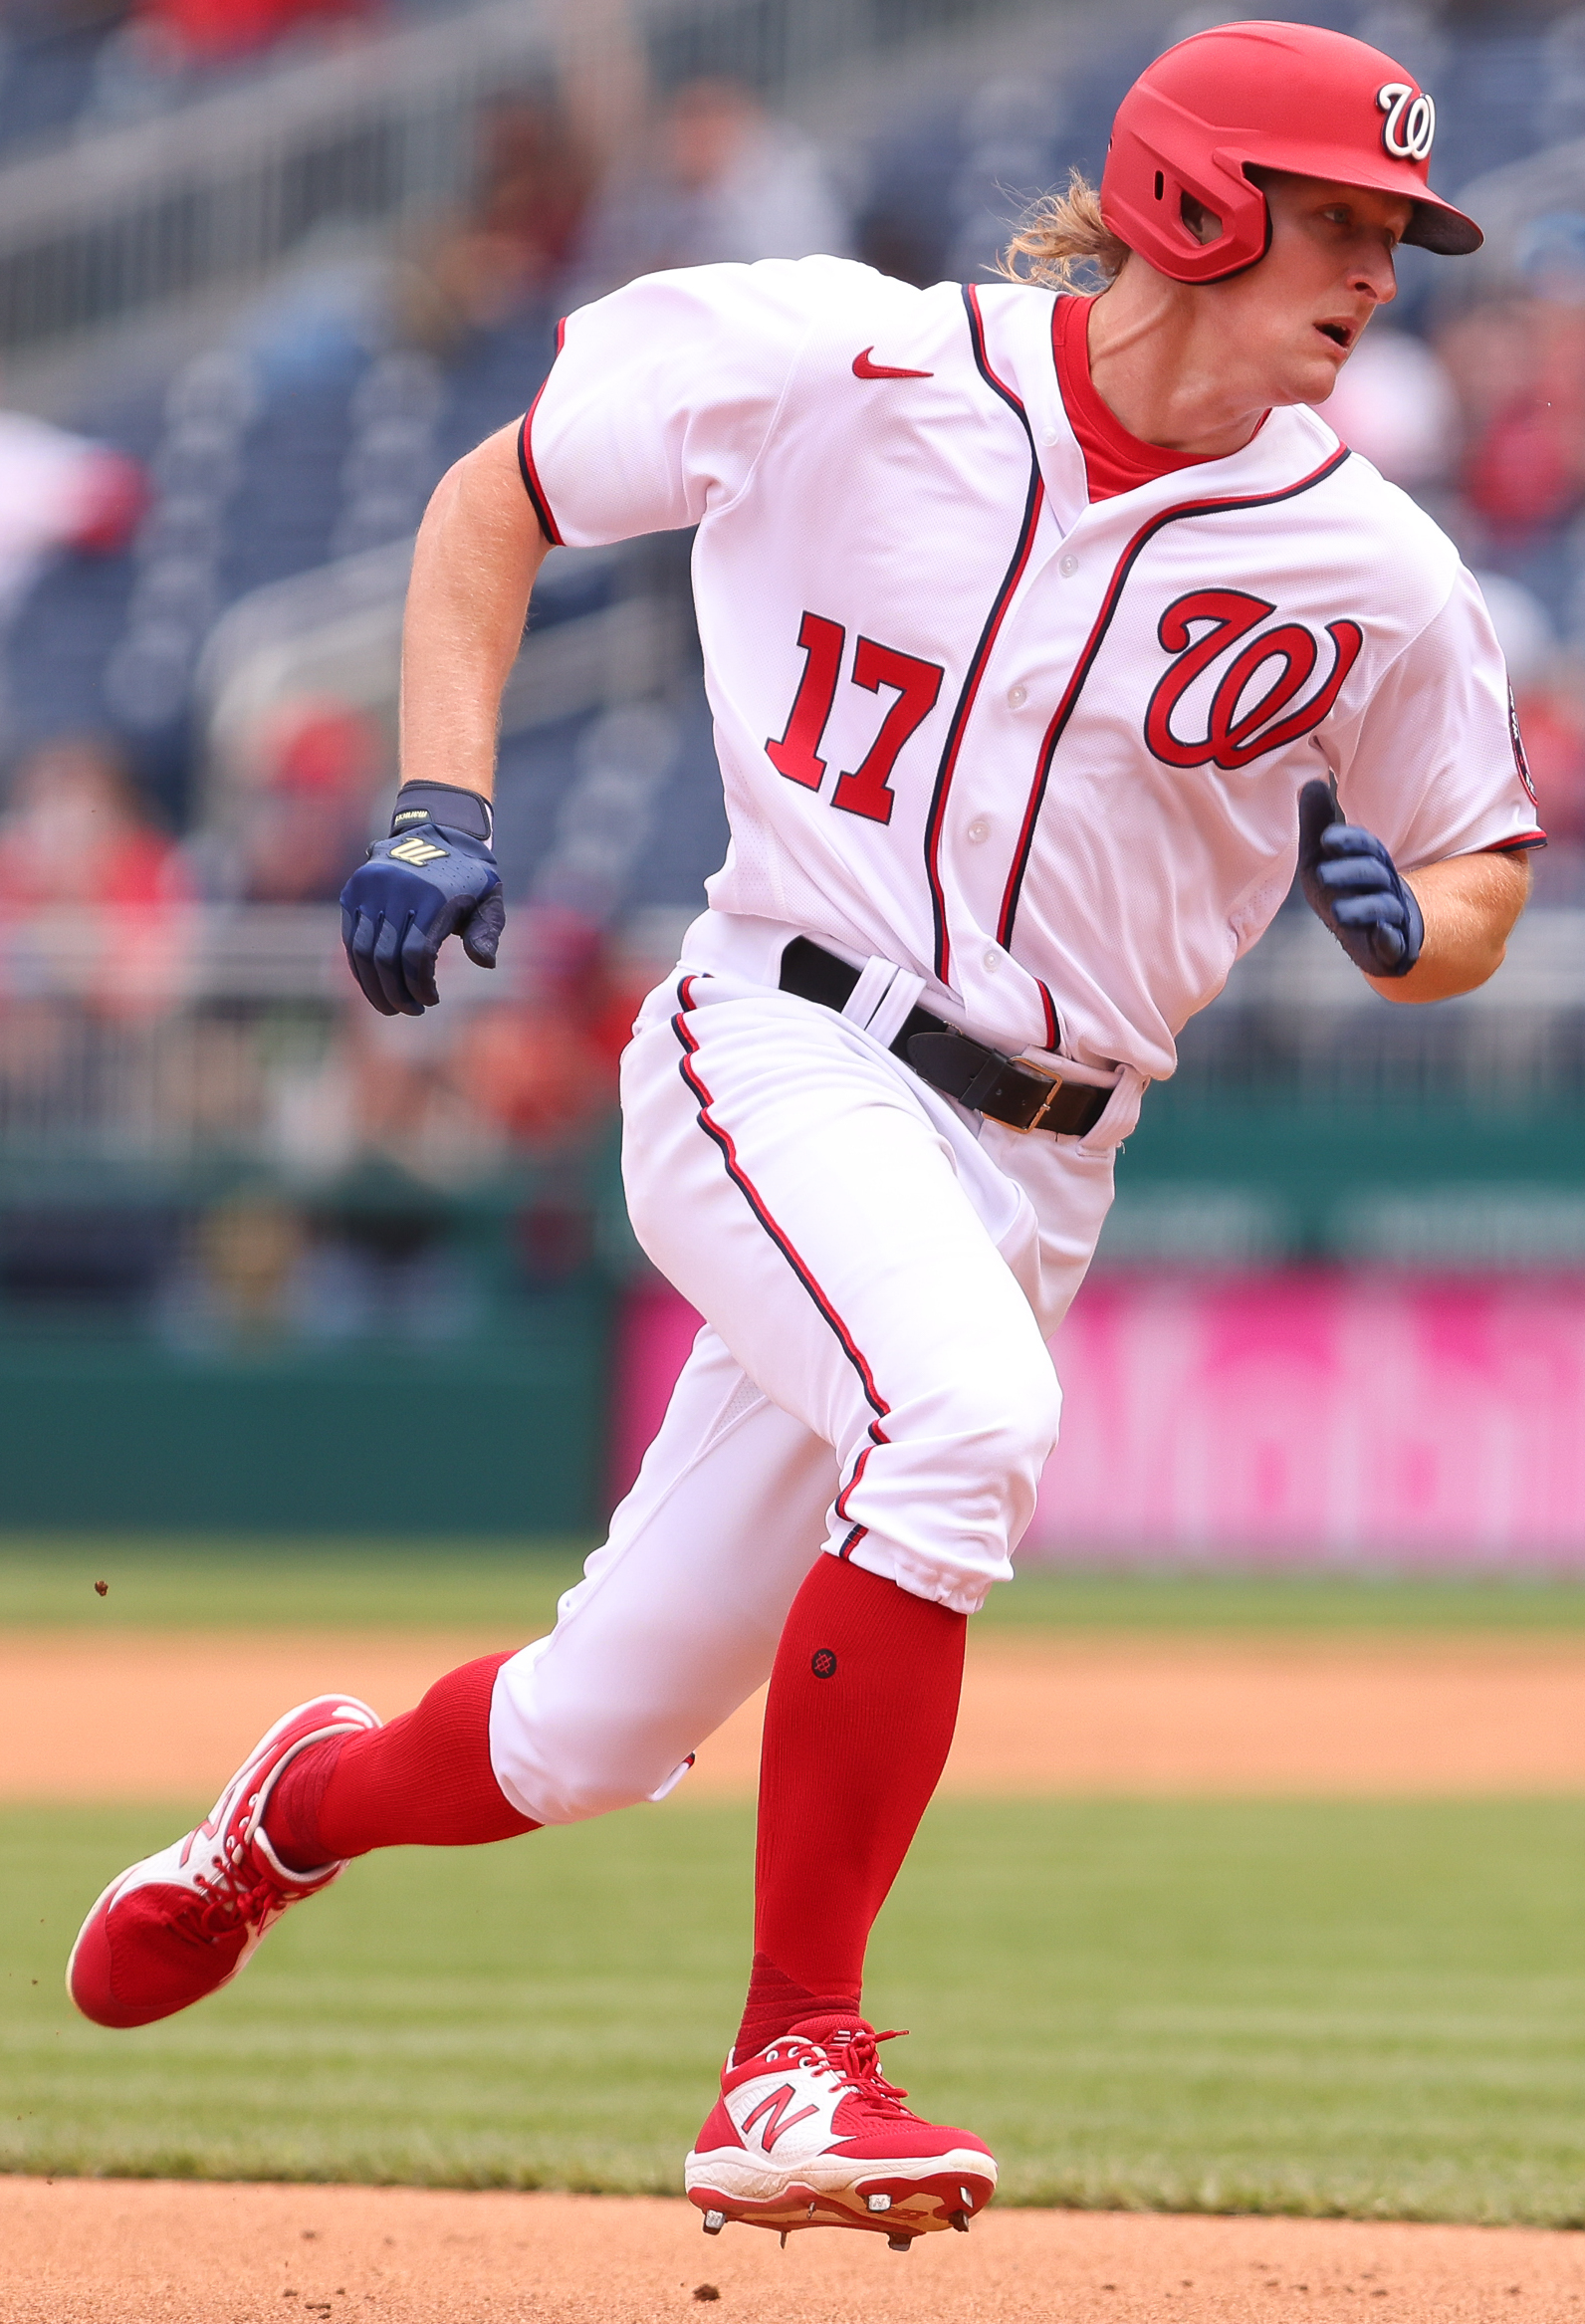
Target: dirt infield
133, 2252
167, 1716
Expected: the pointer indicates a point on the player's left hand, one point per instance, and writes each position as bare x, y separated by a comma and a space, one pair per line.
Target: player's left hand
1353, 887
435, 876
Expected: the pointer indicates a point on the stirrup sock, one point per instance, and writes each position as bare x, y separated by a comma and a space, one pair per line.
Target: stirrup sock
862, 1704
425, 1780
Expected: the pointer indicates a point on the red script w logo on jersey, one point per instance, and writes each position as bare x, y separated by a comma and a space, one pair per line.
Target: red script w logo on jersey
1249, 713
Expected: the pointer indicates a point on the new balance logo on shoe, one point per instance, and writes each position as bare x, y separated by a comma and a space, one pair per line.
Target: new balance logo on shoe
776, 2119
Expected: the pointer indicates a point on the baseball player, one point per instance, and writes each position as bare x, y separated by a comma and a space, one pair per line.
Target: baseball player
1043, 633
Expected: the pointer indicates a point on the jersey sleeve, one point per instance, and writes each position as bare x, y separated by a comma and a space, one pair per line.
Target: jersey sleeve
662, 395
1434, 765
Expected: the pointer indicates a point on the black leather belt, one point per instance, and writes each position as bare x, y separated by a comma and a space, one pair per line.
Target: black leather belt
986, 1080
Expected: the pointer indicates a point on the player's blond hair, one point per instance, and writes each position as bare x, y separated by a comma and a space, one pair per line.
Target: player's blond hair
1063, 243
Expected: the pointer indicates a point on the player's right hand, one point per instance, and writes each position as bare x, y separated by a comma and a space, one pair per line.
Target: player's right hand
1354, 887
434, 878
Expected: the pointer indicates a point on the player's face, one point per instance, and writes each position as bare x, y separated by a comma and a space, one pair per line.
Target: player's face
1298, 315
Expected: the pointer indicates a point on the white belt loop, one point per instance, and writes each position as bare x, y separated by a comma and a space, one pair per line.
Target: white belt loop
883, 998
867, 995
899, 1003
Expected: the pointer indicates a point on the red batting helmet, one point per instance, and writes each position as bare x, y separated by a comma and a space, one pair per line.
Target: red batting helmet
1277, 97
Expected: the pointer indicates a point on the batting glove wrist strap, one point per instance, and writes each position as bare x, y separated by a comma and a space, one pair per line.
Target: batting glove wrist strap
443, 802
1353, 887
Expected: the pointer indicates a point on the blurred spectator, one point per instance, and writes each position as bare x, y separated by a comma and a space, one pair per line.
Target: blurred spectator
256, 1268
545, 1069
170, 51
60, 491
75, 831
714, 178
1549, 694
1551, 707
533, 1071
382, 1095
209, 31
1395, 403
248, 1252
470, 274
1517, 368
303, 821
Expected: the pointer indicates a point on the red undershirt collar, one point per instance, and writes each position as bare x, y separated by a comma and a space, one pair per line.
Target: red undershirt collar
1114, 461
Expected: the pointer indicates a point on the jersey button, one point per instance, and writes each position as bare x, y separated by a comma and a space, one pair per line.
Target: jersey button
979, 830
1016, 697
993, 961
1068, 568
1050, 436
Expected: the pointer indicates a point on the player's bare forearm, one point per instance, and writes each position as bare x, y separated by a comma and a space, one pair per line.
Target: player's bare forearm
479, 548
1470, 905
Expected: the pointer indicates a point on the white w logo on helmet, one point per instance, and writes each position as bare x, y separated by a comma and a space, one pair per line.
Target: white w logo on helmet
1410, 121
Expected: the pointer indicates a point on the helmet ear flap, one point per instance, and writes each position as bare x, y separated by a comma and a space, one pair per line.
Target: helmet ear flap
1242, 214
1147, 182
1188, 217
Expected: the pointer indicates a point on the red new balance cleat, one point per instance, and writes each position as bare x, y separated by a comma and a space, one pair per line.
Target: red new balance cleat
811, 2134
182, 1924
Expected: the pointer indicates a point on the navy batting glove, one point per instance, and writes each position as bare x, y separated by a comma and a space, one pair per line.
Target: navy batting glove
1353, 887
434, 878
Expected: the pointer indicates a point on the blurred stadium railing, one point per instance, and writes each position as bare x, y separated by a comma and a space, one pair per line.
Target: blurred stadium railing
219, 191
252, 306
241, 1224
1310, 1121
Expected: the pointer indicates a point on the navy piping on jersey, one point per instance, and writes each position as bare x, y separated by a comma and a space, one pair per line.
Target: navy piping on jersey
936, 819
531, 475
757, 1204
1092, 647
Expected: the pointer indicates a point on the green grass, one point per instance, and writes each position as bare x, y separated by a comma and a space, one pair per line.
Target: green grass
238, 1584
1307, 1599
242, 1584
1368, 2009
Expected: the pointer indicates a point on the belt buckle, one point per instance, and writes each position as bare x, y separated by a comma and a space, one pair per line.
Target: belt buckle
1044, 1073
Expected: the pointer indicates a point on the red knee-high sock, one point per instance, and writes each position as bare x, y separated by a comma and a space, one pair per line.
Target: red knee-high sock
862, 1704
424, 1780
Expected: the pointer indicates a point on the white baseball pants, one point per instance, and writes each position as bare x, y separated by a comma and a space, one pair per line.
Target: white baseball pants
873, 1378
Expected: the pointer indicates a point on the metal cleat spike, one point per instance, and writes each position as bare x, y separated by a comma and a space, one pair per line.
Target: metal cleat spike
899, 2243
714, 2223
879, 2203
960, 2219
783, 2239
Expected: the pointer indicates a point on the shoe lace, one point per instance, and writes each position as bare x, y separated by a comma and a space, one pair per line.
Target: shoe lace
859, 2070
239, 1893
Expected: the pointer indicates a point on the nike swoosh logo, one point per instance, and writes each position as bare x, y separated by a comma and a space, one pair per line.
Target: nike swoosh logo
864, 368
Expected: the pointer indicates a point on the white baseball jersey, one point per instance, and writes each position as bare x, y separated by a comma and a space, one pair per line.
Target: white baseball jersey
1043, 753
